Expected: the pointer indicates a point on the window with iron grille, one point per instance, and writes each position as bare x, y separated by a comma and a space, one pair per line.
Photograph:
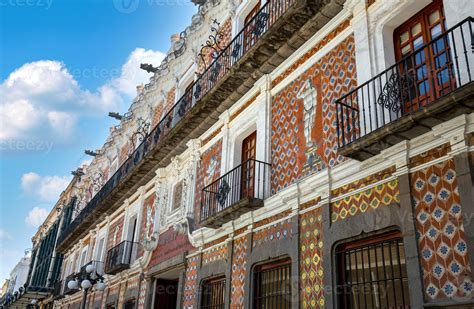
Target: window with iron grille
272, 285
372, 273
213, 293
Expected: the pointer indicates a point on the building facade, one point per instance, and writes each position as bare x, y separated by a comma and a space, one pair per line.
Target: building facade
288, 154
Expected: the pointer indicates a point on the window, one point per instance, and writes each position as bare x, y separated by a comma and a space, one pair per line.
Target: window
249, 149
428, 70
251, 35
129, 304
100, 249
83, 258
272, 285
372, 273
177, 195
213, 294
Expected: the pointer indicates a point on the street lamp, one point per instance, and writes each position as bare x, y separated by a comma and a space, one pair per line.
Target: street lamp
85, 281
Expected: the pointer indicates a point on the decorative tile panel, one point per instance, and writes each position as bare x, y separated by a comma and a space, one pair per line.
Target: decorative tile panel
208, 169
385, 194
142, 295
215, 254
239, 267
303, 141
379, 176
430, 155
323, 42
274, 232
311, 254
191, 285
440, 232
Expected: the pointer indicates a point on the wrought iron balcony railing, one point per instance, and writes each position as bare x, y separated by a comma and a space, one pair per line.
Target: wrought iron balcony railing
222, 62
66, 289
121, 257
58, 289
412, 86
242, 189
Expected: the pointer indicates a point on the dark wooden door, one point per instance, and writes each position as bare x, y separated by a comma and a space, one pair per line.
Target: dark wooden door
249, 149
427, 71
249, 33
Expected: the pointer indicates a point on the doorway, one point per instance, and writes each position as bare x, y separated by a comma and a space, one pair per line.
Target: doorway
166, 294
249, 149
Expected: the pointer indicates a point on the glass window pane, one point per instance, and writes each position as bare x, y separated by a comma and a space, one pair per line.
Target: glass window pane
406, 49
418, 42
434, 17
436, 31
416, 29
404, 37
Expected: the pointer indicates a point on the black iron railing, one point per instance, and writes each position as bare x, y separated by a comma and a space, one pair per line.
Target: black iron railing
272, 285
220, 66
419, 79
121, 256
66, 289
249, 180
58, 288
213, 294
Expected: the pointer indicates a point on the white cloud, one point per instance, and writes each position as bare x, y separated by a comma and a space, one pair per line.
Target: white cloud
43, 100
47, 188
131, 74
4, 235
36, 217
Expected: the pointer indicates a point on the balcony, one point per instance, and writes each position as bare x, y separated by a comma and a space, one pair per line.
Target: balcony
121, 257
58, 289
277, 30
98, 266
425, 88
66, 290
241, 190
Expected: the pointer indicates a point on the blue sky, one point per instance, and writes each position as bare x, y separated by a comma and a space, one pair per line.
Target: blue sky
64, 64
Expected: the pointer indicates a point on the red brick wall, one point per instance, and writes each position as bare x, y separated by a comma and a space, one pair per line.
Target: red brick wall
157, 113
208, 169
170, 99
331, 76
170, 244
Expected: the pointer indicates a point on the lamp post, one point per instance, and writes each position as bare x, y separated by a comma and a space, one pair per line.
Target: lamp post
86, 280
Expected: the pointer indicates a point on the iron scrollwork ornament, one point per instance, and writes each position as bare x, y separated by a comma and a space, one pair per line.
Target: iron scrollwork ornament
141, 132
98, 182
395, 92
213, 43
